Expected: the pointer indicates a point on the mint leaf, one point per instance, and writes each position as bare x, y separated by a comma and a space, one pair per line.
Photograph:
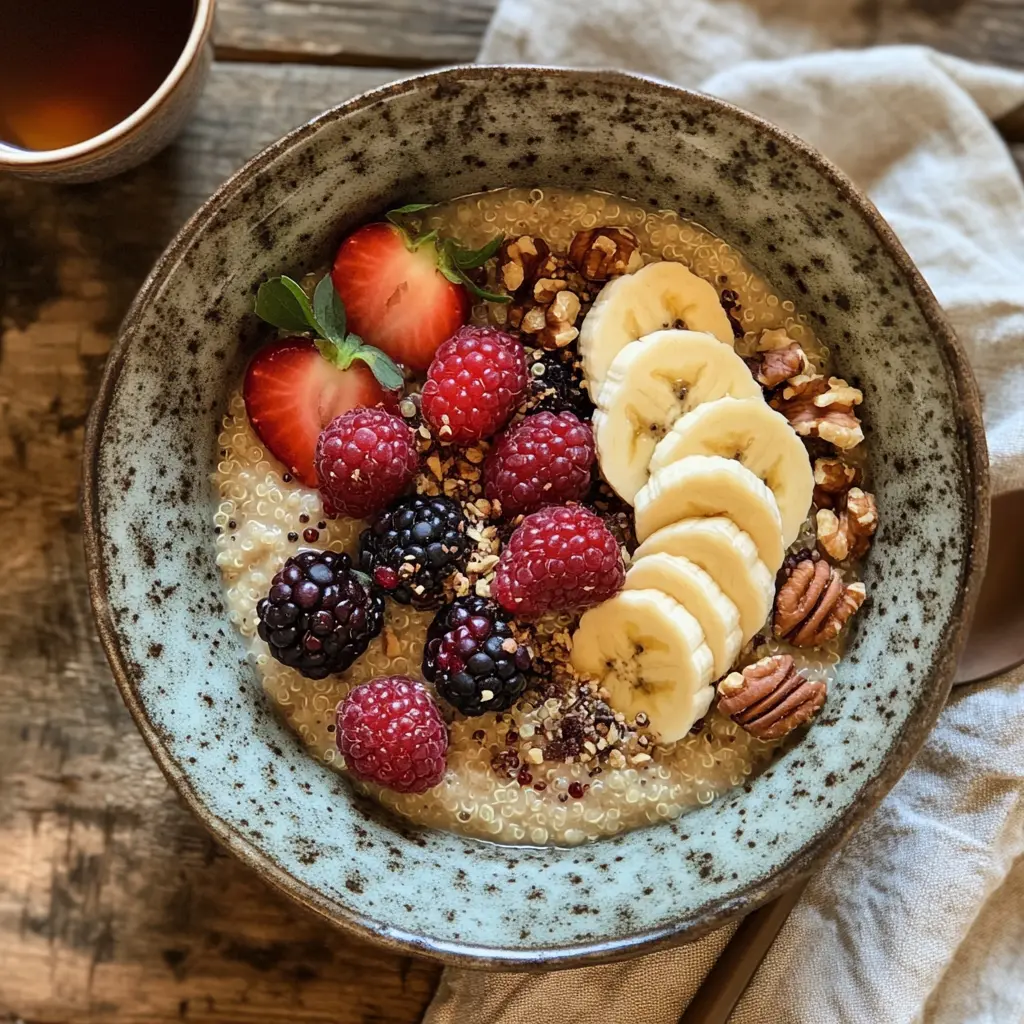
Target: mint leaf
282, 302
470, 259
381, 365
395, 215
329, 311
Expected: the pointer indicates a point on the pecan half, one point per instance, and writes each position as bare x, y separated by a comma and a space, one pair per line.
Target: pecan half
832, 479
605, 252
770, 698
848, 534
813, 604
817, 407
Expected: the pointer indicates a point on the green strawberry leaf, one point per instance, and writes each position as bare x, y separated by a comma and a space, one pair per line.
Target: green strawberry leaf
483, 293
282, 302
454, 261
395, 216
470, 259
329, 311
382, 366
344, 354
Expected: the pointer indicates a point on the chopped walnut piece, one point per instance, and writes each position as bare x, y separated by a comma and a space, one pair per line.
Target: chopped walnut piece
770, 698
553, 326
848, 534
547, 288
549, 302
813, 604
774, 338
778, 358
817, 407
605, 252
519, 260
773, 367
832, 479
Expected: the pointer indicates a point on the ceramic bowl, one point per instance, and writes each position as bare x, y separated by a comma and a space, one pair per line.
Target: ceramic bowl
149, 505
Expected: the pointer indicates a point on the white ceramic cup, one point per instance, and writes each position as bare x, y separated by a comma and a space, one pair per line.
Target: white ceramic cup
140, 135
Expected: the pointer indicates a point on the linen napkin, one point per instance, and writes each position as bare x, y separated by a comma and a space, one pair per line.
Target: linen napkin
920, 916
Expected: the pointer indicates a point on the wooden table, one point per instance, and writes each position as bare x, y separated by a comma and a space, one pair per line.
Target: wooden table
115, 905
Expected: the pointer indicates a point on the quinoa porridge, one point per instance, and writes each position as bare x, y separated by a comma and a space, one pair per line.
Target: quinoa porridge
573, 753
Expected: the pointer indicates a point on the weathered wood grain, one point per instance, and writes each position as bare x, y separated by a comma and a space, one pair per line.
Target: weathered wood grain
418, 33
115, 905
404, 33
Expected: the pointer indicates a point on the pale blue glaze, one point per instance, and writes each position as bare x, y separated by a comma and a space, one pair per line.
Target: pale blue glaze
149, 505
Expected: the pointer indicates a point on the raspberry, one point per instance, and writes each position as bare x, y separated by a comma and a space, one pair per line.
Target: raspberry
391, 733
319, 615
412, 547
557, 559
473, 657
473, 385
544, 460
364, 459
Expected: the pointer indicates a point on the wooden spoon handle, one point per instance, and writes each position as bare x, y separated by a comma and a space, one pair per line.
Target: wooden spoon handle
738, 963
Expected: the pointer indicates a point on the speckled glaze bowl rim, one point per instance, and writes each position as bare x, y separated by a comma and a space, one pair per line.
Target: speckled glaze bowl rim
915, 729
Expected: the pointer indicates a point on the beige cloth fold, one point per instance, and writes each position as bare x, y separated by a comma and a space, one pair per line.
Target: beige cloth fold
920, 917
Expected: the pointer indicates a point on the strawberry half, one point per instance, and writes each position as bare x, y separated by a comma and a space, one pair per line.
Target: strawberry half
292, 392
294, 386
407, 295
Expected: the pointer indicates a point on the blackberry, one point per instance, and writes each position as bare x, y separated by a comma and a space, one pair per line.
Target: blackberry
450, 616
320, 614
556, 385
473, 658
413, 546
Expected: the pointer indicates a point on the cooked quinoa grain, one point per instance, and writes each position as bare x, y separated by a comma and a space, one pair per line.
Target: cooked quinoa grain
499, 785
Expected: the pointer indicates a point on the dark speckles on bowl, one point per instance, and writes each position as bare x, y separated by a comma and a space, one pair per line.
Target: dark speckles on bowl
159, 607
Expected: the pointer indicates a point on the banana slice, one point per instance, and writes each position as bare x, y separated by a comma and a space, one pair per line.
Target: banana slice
728, 556
650, 384
649, 652
656, 296
751, 431
708, 485
699, 594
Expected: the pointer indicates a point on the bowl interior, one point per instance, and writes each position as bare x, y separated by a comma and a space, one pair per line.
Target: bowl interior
149, 507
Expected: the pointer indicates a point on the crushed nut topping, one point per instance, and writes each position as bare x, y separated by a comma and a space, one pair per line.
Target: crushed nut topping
832, 479
816, 407
848, 534
551, 298
813, 603
605, 252
574, 723
770, 698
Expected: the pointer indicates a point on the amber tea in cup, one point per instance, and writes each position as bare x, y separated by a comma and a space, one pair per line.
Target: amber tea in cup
72, 69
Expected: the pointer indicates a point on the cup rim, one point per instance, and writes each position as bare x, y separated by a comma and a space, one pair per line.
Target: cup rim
14, 158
